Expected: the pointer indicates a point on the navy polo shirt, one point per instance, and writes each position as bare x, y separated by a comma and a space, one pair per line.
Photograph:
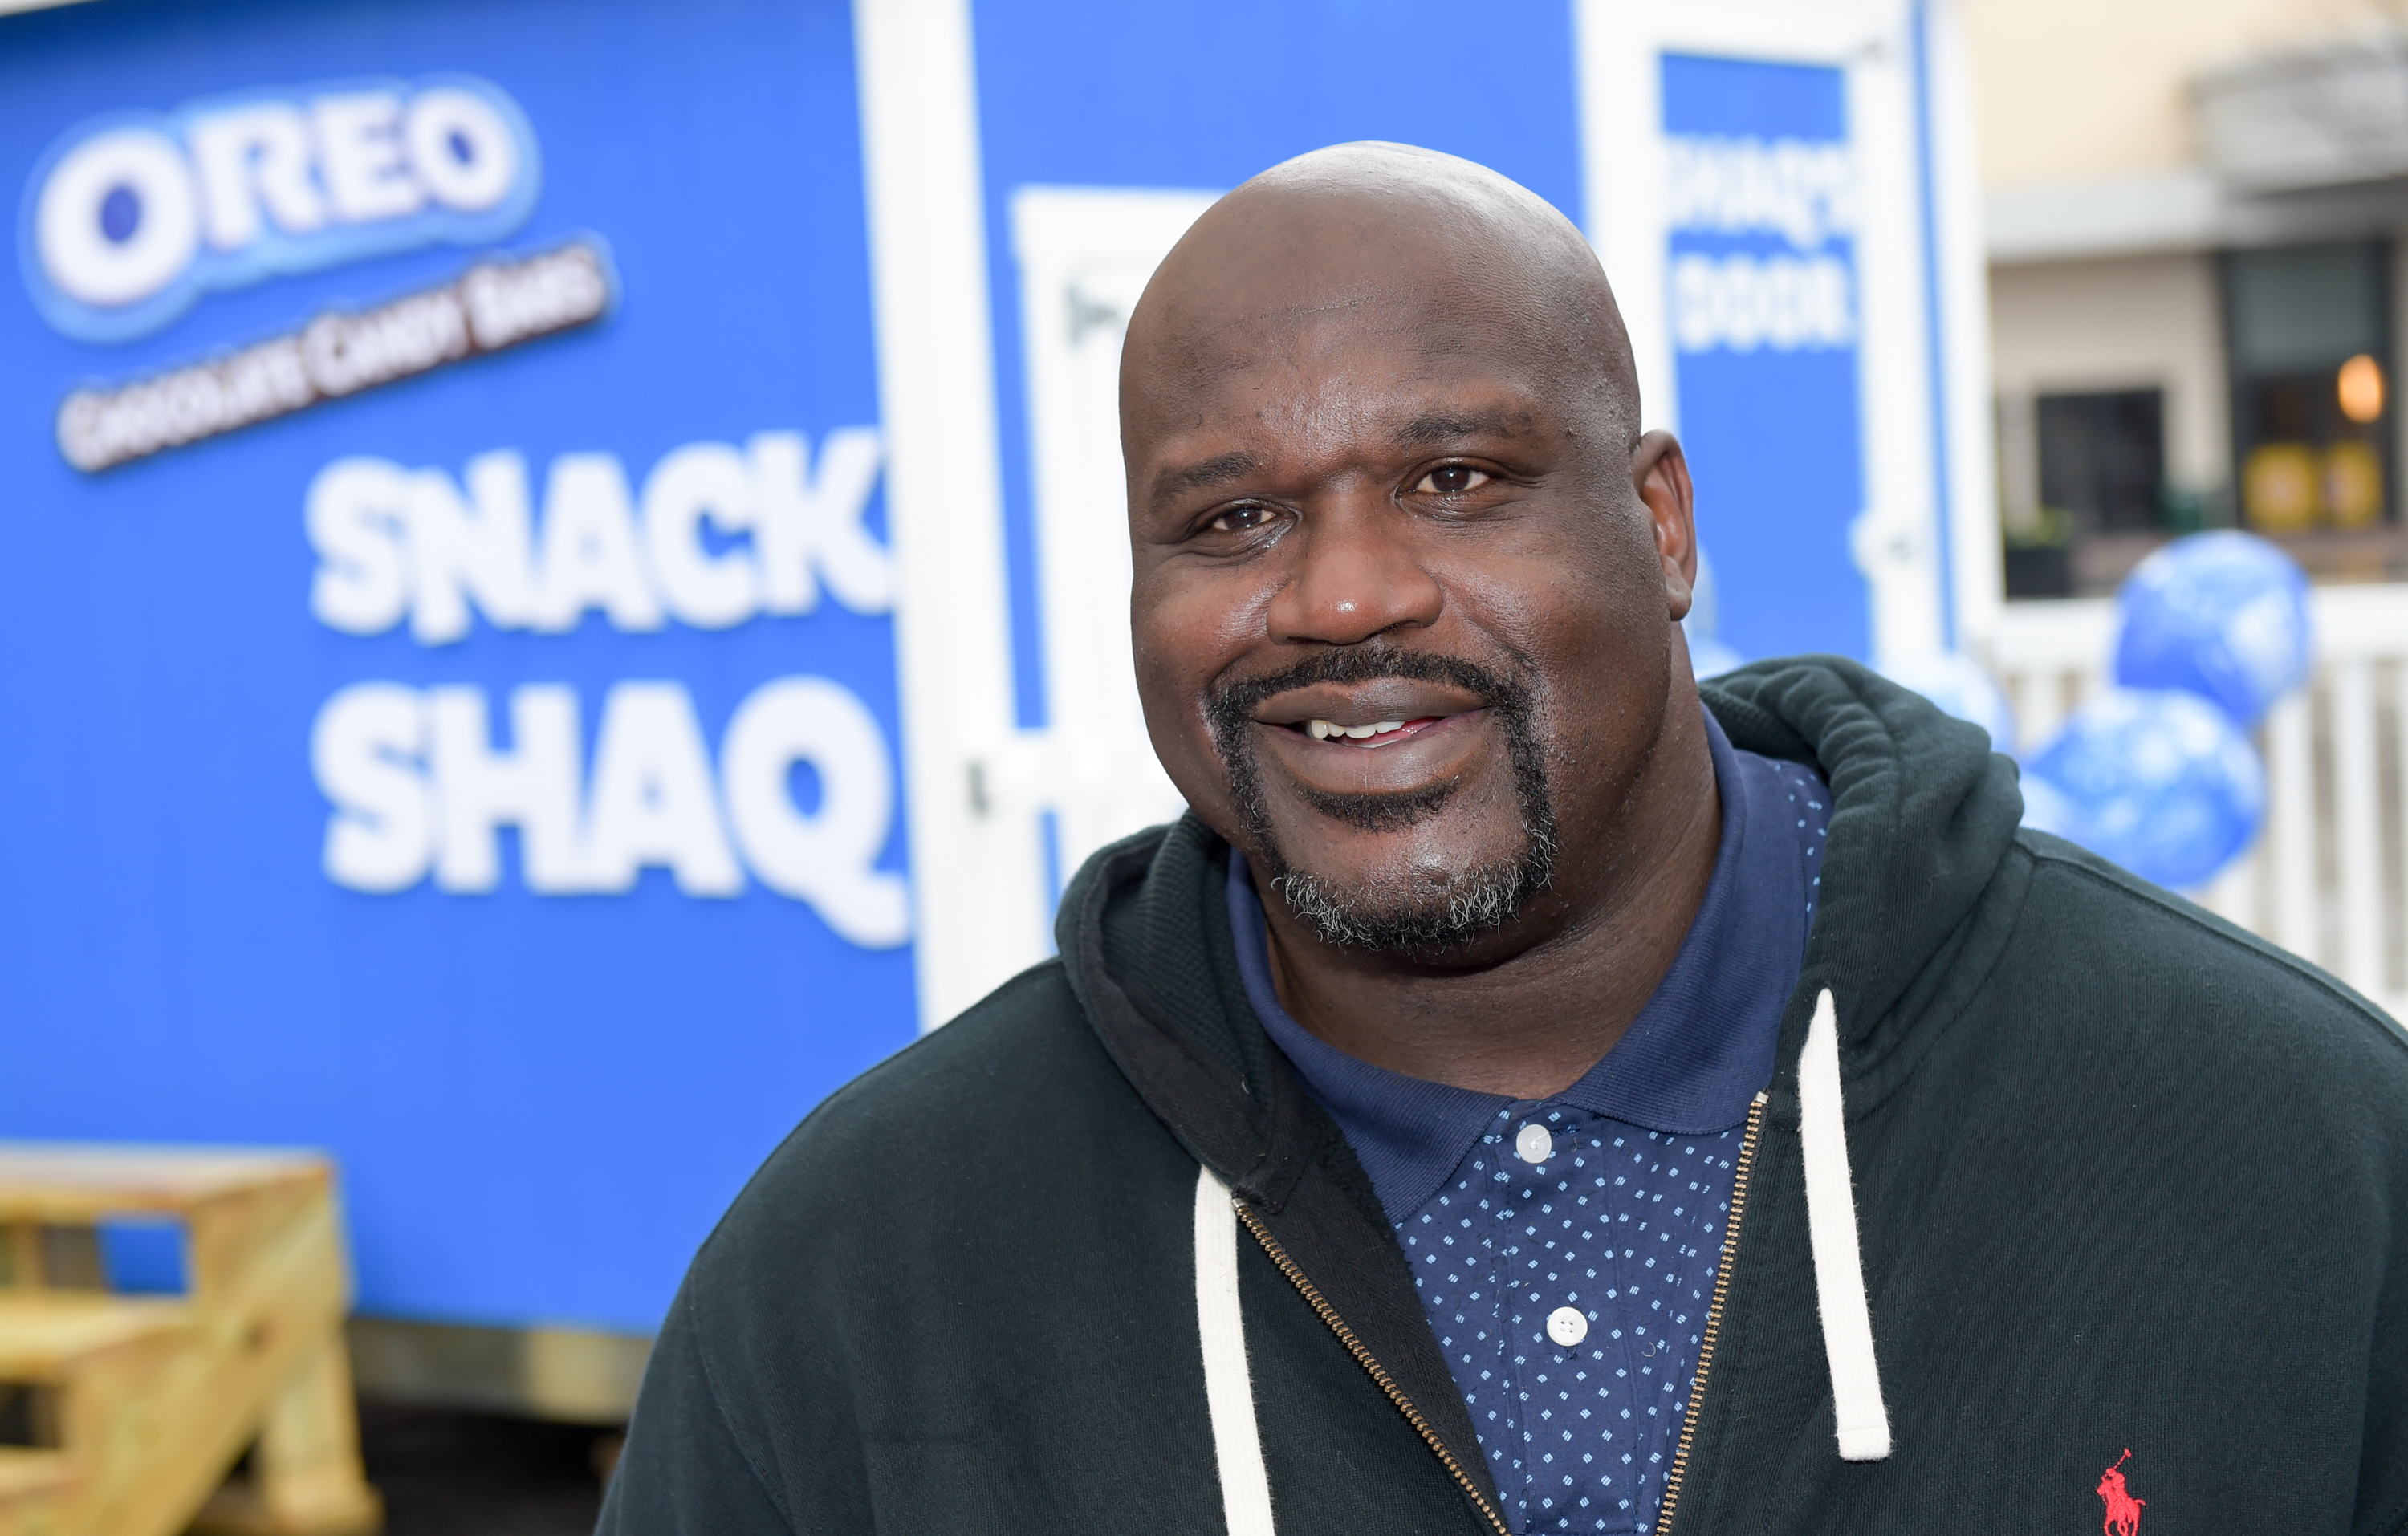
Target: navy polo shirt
1565, 1249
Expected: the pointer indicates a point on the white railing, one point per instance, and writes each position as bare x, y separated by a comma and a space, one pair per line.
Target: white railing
2328, 877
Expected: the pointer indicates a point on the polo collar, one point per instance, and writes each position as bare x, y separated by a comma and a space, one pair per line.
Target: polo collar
1691, 1062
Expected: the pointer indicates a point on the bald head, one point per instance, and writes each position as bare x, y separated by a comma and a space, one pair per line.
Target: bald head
1439, 251
1407, 576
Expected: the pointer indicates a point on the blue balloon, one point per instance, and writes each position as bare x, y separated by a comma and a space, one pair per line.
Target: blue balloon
2157, 779
1959, 687
2223, 615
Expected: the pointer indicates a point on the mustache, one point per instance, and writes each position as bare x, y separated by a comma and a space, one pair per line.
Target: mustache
1419, 924
1232, 706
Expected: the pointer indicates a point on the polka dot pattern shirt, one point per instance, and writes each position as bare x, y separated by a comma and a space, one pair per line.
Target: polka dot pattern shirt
1564, 1249
1622, 1226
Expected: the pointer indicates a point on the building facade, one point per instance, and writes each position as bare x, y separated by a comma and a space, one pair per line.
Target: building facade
2193, 224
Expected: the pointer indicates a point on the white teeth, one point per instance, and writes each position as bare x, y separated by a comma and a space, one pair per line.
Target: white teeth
1322, 730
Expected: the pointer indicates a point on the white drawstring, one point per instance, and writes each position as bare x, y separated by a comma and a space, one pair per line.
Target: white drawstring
1228, 1389
1831, 1229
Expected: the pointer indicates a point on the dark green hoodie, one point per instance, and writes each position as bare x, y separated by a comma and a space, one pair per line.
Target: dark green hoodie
2125, 1178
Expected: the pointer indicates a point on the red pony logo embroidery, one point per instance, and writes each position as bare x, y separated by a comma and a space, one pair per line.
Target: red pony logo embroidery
2123, 1510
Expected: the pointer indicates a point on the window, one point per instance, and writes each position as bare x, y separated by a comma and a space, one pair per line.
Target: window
2100, 496
2305, 330
2102, 458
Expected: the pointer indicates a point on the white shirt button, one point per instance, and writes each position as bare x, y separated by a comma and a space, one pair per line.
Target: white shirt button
1567, 1326
1534, 1146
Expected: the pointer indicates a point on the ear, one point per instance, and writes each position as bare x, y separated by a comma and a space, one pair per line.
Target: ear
1661, 474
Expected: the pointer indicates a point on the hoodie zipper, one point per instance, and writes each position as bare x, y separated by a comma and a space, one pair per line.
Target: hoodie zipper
1674, 1479
1379, 1372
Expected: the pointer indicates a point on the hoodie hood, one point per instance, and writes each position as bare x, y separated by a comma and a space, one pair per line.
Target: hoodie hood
1922, 813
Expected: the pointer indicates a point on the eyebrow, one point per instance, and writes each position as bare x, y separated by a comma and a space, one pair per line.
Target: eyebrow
1218, 470
1424, 430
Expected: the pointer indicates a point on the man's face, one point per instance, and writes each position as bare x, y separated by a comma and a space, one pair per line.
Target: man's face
1402, 621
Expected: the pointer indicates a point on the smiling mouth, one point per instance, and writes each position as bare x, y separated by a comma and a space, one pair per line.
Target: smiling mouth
1382, 733
1361, 698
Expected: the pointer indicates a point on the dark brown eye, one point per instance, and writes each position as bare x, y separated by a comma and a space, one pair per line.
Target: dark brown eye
1453, 480
1244, 519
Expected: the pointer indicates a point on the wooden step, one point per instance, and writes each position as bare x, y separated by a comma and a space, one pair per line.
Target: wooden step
141, 1404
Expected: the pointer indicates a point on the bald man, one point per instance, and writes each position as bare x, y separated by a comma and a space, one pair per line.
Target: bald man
1521, 1096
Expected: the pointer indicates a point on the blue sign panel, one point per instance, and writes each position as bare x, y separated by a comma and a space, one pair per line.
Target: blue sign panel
1765, 322
451, 681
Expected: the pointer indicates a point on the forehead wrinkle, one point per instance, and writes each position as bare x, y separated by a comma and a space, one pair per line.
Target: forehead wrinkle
1194, 352
1195, 341
1312, 309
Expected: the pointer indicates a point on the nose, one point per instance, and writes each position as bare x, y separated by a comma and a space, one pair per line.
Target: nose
1356, 575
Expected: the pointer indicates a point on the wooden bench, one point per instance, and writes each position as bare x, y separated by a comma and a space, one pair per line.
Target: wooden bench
122, 1415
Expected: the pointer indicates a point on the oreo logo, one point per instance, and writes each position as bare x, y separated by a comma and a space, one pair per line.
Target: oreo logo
131, 218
